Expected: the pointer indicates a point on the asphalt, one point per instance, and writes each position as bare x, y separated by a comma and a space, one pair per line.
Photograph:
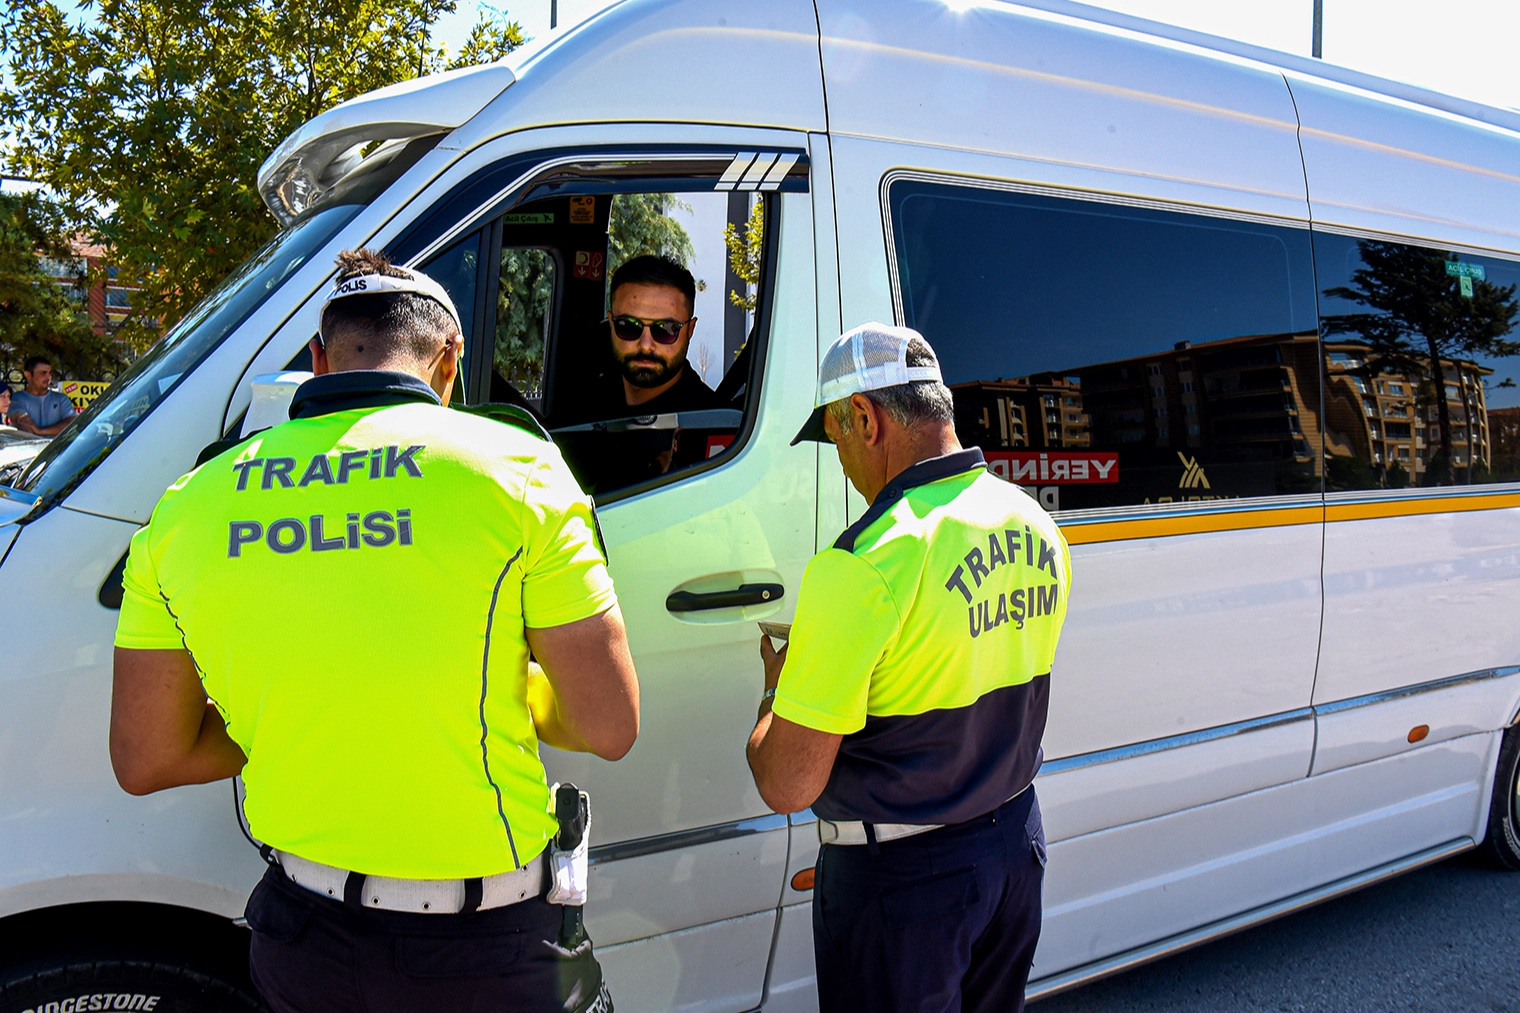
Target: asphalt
1445, 938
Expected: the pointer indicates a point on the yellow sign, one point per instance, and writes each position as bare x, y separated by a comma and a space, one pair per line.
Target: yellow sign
82, 392
582, 210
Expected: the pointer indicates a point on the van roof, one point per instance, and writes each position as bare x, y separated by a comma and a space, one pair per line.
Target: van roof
333, 144
1300, 66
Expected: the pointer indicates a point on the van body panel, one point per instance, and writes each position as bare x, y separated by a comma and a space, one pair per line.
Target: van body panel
995, 79
1397, 721
636, 898
793, 984
1446, 582
1082, 799
1116, 890
716, 969
67, 830
1153, 623
675, 61
1378, 164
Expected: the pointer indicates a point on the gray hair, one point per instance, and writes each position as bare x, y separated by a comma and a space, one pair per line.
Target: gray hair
907, 404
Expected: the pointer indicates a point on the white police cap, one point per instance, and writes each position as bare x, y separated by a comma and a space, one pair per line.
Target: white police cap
384, 284
870, 357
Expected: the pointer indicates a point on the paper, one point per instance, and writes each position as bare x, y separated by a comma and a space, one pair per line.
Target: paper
777, 630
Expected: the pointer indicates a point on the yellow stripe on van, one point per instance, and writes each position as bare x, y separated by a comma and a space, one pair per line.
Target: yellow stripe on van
1189, 524
1420, 505
1088, 533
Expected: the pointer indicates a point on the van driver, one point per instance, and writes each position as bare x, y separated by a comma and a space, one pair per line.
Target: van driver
650, 328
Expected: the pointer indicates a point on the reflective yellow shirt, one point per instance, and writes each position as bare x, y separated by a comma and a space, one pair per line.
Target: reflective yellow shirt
353, 586
925, 637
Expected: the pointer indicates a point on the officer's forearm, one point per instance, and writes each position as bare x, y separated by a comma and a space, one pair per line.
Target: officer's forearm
547, 721
791, 763
163, 731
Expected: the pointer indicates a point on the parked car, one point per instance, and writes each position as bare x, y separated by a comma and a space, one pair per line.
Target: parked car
1155, 267
17, 448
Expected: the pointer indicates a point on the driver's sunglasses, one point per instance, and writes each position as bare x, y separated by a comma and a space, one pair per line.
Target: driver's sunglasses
663, 331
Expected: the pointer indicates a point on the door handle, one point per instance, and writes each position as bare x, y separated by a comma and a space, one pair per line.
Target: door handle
744, 594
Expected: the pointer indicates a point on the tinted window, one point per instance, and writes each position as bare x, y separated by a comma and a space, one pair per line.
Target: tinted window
1389, 312
1116, 356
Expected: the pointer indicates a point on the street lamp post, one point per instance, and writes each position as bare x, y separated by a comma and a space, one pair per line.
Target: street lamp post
1319, 29
554, 16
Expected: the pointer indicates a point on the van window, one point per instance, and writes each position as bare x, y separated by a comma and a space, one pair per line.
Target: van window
1390, 311
1181, 349
552, 347
524, 304
101, 427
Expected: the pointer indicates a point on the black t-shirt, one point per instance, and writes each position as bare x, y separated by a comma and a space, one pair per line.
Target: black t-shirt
605, 461
687, 394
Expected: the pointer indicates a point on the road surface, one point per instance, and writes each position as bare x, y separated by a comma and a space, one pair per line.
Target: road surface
1445, 938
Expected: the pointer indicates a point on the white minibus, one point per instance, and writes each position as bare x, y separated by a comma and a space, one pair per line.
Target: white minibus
1241, 321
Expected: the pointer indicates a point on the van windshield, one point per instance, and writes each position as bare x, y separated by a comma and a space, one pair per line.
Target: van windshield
98, 430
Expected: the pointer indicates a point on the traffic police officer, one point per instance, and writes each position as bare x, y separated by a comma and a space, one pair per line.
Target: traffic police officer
349, 600
912, 700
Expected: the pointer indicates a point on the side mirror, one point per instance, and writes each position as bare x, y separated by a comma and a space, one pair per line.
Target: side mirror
269, 404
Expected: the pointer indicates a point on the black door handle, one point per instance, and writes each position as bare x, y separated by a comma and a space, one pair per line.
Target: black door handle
744, 594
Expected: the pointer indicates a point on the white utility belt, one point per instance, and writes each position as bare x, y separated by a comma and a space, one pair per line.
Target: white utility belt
418, 896
854, 831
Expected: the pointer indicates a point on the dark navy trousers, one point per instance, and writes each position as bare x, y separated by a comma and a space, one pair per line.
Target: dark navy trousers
310, 954
935, 923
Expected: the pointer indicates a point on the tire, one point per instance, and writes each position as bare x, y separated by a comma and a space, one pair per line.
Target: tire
62, 987
1501, 846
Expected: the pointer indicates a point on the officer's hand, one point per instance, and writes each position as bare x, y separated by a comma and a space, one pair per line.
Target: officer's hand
773, 660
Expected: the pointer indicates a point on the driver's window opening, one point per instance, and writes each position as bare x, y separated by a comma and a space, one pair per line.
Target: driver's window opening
646, 378
524, 301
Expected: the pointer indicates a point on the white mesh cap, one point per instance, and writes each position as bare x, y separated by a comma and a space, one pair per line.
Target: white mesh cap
870, 357
384, 284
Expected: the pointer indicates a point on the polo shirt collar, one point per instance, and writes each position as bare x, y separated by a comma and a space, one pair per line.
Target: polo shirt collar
932, 470
922, 473
358, 388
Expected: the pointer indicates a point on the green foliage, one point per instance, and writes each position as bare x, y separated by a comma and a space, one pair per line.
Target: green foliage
36, 314
1418, 316
149, 121
745, 256
522, 309
491, 38
640, 225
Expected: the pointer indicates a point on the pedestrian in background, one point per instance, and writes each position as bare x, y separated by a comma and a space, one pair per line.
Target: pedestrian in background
908, 707
342, 608
5, 404
38, 408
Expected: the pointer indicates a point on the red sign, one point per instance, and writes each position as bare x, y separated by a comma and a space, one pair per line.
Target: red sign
717, 444
1053, 467
588, 264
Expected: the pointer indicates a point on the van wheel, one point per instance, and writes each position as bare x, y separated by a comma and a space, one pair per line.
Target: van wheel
121, 985
1502, 845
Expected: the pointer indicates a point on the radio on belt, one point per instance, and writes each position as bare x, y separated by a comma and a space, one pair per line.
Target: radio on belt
568, 860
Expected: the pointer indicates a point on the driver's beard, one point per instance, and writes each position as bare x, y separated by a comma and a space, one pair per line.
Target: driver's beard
645, 372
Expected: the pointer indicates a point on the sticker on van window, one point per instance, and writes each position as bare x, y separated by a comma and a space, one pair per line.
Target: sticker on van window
528, 218
588, 265
1053, 467
1464, 273
582, 210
